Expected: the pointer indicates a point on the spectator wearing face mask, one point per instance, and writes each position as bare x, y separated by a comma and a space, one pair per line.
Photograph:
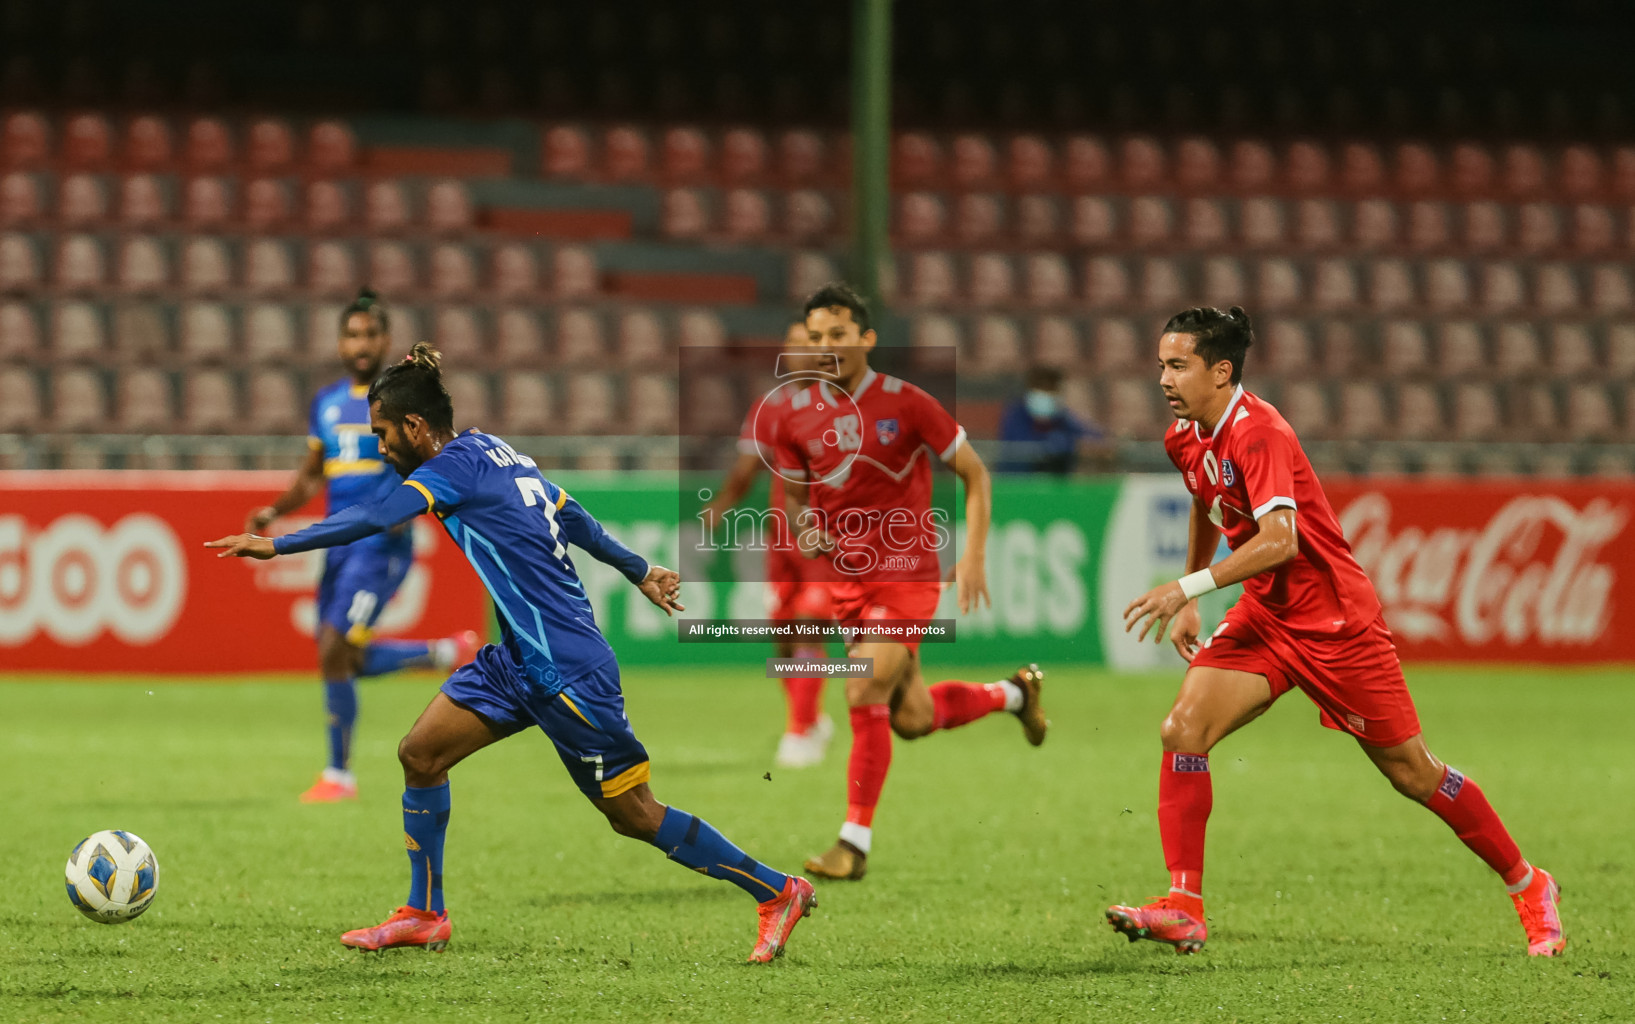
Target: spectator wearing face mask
1040, 435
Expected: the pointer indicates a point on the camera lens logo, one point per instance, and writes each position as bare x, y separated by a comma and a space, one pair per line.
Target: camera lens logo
796, 372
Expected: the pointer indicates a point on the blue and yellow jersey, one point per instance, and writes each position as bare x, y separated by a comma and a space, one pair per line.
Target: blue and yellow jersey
339, 427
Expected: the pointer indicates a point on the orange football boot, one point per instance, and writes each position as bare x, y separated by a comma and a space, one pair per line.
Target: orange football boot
1030, 680
328, 790
406, 927
1536, 905
1179, 922
779, 916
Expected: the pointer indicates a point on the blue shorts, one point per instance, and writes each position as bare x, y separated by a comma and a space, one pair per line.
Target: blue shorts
358, 580
586, 720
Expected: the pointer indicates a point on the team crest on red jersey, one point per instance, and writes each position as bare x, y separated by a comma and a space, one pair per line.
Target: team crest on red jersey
886, 430
1229, 472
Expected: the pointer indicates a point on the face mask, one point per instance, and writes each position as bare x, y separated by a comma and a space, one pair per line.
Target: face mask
1041, 405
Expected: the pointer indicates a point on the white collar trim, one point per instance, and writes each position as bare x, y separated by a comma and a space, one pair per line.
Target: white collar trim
1226, 416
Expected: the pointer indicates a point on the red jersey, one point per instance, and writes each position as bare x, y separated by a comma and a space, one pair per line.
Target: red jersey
867, 459
1250, 465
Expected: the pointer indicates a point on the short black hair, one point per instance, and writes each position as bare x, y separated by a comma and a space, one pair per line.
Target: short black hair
1216, 335
415, 386
366, 302
1043, 378
842, 295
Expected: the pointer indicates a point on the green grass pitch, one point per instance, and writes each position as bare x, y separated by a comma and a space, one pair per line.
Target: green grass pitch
1331, 898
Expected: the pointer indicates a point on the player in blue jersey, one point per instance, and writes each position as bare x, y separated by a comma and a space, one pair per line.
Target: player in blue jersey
344, 462
552, 668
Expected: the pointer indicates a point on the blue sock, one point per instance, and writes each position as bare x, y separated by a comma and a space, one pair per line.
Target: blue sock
425, 820
341, 698
382, 656
695, 843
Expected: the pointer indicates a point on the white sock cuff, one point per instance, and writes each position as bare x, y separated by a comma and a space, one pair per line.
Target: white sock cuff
858, 835
1522, 885
1013, 695
1183, 892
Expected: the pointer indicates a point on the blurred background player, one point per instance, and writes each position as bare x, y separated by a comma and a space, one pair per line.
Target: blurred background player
553, 668
359, 579
800, 586
1040, 434
859, 494
1308, 617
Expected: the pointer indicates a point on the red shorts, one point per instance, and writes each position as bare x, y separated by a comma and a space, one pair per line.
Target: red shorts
797, 592
1355, 681
914, 602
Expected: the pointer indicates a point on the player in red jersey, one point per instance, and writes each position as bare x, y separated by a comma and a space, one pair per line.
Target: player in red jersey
854, 453
799, 585
1308, 618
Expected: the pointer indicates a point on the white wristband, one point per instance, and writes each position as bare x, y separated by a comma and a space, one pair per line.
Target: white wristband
1196, 584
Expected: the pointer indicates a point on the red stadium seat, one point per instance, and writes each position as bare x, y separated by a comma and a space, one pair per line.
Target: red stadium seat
1205, 224
996, 345
1277, 284
1048, 280
1623, 172
650, 403
331, 269
449, 208
527, 405
1538, 228
809, 271
1375, 226
1086, 164
1447, 285
518, 340
1581, 173
685, 214
1317, 223
1610, 290
1471, 171
1117, 347
1142, 164
458, 334
19, 264
78, 333
1460, 351
19, 332
1306, 167
271, 146
1079, 398
1428, 227
978, 218
1476, 412
1038, 219
921, 217
328, 207
392, 268
1419, 412
1390, 285
78, 401
1223, 284
82, 200
331, 148
143, 201
1572, 350
685, 157
1030, 164
1485, 227
579, 339
1417, 171
1334, 285
1362, 171
700, 328
589, 405
743, 157
1253, 168
1516, 350
453, 271
640, 339
975, 164
386, 206
266, 204
269, 268
574, 273
931, 330
1619, 361
566, 153
808, 214
916, 161
274, 403
1106, 282
1056, 343
1151, 221
209, 145
148, 145
625, 154
269, 334
206, 333
20, 200
1094, 221
1555, 289
1593, 229
207, 202
1405, 351
1264, 222
141, 333
21, 410
1130, 409
142, 265
1305, 406
1525, 175
1163, 283
1535, 413
1502, 289
746, 215
81, 263
932, 280
1289, 348
1589, 413
472, 399
801, 157
206, 266
25, 141
87, 141
1197, 165
515, 271
1361, 412
143, 401
210, 403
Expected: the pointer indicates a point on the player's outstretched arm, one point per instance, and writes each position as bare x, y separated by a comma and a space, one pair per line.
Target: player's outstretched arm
343, 527
585, 532
308, 484
1276, 542
971, 572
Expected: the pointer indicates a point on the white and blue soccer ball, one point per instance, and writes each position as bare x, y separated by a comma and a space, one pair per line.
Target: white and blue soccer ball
112, 876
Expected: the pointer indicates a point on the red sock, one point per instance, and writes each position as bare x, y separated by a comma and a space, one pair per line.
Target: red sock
870, 760
1459, 802
804, 697
1185, 797
963, 703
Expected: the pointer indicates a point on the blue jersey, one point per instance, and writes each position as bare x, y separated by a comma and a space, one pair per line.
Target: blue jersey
339, 427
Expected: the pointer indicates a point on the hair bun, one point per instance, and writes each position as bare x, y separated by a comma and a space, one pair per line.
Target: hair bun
422, 354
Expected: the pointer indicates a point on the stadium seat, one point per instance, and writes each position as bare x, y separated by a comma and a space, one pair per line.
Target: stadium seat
1056, 343
78, 401
78, 333
1197, 165
266, 204
1516, 350
1447, 285
974, 163
685, 156
514, 271
1374, 224
565, 153
1535, 413
209, 145
1475, 412
322, 325
1594, 229
809, 271
1163, 283
1306, 167
1129, 408
142, 265
932, 280
1555, 289
650, 402
453, 272
743, 156
472, 399
1086, 164
1223, 284
1029, 164
1289, 348
1418, 413
459, 335
1317, 223
206, 333
87, 141
921, 217
82, 200
210, 403
1038, 219
640, 339
1589, 413
1610, 290
992, 280
807, 214
1079, 398
1048, 281
1116, 347
331, 148
979, 218
518, 339
328, 207
1619, 348
275, 403
269, 268
1362, 171
801, 157
996, 345
207, 202
1253, 167
21, 411
142, 401
1471, 170
81, 263
449, 208
1094, 221
19, 332
1305, 406
1460, 351
1361, 412
19, 264
1538, 228
933, 330
141, 333
392, 268
1390, 285
206, 266
271, 147
148, 145
25, 141
1622, 183
685, 214
526, 405
746, 215
574, 274
700, 327
624, 154
1416, 171
386, 206
1151, 221
1262, 222
269, 334
1334, 285
1107, 282
331, 269
1524, 172
588, 404
1428, 227
21, 203
143, 201
1404, 349
579, 340
1485, 227
1277, 284
916, 161
1572, 350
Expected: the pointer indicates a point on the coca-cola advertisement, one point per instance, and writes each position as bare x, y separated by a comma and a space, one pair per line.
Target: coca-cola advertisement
1495, 571
106, 572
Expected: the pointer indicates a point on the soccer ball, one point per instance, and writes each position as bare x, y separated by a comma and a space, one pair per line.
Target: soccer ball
112, 876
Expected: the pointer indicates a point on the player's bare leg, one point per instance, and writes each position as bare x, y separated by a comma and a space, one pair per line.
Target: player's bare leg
443, 736
1213, 703
807, 730
1416, 773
